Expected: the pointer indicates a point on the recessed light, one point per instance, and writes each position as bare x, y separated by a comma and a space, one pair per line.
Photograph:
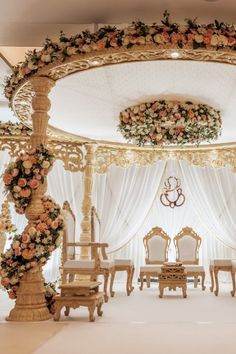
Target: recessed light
174, 55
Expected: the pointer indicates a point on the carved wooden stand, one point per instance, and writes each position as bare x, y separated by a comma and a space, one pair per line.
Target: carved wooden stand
30, 303
172, 276
78, 294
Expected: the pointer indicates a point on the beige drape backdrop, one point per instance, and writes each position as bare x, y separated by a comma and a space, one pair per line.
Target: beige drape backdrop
128, 204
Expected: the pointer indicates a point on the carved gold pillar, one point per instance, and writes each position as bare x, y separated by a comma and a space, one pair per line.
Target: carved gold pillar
87, 201
30, 303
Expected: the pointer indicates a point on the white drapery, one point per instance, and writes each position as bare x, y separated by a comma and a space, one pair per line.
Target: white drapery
128, 204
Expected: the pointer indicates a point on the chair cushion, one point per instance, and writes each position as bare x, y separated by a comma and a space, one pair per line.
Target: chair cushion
151, 268
233, 262
76, 264
191, 268
221, 262
106, 264
123, 262
87, 264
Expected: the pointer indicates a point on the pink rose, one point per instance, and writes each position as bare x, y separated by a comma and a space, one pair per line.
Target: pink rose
44, 172
34, 183
31, 246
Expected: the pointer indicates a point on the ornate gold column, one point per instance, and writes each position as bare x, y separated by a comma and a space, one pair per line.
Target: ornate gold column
30, 303
87, 201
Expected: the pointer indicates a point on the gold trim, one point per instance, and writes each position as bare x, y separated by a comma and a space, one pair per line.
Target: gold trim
156, 232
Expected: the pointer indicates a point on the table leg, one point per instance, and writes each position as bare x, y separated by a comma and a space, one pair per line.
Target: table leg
212, 278
195, 281
99, 308
91, 309
161, 289
216, 281
57, 314
233, 282
184, 291
148, 280
67, 311
131, 280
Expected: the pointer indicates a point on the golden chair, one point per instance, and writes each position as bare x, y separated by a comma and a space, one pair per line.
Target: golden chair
187, 244
97, 265
156, 244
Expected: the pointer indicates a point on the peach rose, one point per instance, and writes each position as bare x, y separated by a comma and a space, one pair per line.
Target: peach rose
32, 151
25, 193
22, 182
12, 295
42, 227
27, 254
33, 159
5, 281
7, 178
27, 164
24, 157
44, 172
25, 238
54, 225
15, 172
34, 183
17, 251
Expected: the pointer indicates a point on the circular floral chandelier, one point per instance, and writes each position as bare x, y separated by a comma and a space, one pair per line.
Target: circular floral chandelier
165, 122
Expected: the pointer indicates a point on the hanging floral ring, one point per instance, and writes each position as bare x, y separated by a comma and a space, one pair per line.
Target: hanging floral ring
170, 122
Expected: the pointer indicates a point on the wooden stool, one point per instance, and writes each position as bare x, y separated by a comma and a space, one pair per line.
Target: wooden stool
84, 293
216, 265
123, 265
172, 276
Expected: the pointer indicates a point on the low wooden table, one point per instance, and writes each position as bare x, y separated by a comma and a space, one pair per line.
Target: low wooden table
172, 276
76, 294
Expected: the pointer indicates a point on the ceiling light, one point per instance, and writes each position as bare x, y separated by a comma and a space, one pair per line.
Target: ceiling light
174, 55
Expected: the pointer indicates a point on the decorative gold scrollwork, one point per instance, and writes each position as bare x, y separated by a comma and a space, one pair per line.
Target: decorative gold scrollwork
172, 194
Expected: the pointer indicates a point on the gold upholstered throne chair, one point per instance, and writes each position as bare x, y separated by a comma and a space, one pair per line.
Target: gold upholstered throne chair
156, 245
98, 264
187, 244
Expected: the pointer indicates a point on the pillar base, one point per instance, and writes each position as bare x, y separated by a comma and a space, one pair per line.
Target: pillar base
30, 303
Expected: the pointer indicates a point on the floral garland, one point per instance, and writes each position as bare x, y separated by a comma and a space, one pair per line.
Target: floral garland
170, 122
40, 237
217, 35
34, 246
25, 175
5, 219
15, 129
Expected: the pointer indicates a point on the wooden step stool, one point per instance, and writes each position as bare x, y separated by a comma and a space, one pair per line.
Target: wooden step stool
76, 294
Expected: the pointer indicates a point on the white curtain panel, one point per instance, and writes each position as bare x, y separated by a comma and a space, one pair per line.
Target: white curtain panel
123, 199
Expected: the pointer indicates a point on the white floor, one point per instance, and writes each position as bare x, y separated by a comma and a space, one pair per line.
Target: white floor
139, 324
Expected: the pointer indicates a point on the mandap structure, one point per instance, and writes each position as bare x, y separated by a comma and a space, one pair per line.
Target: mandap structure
159, 127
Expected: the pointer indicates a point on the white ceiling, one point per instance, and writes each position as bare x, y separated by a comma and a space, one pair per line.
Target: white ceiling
88, 103
28, 22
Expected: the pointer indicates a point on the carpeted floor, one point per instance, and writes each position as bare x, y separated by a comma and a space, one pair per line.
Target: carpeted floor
139, 324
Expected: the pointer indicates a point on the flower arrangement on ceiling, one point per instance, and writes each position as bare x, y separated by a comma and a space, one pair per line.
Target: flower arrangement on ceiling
41, 236
170, 122
191, 35
14, 129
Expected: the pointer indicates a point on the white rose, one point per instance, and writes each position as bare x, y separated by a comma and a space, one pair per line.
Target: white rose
198, 38
32, 231
214, 40
46, 58
15, 244
158, 38
43, 260
45, 164
17, 189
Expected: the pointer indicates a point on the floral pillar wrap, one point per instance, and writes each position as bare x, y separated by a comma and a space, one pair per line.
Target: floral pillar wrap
26, 182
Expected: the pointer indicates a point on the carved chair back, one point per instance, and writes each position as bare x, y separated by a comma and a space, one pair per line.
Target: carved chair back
187, 244
68, 252
156, 244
